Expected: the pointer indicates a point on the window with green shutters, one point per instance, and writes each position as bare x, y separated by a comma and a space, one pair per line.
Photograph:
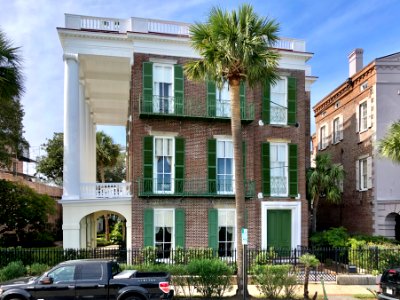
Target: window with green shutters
212, 165
158, 161
163, 88
219, 102
279, 170
213, 228
280, 102
222, 231
160, 229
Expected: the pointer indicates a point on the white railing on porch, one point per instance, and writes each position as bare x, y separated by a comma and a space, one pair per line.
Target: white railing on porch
144, 25
105, 190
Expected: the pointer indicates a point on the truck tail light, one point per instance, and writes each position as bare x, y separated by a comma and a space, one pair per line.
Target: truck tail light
164, 286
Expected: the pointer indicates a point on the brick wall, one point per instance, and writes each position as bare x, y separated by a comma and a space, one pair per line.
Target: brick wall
196, 133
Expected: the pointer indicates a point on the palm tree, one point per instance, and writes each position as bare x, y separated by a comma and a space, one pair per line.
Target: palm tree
323, 182
10, 70
235, 47
389, 146
12, 141
106, 156
106, 153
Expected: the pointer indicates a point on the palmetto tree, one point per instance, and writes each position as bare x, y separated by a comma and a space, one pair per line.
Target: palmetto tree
323, 182
389, 146
106, 153
235, 47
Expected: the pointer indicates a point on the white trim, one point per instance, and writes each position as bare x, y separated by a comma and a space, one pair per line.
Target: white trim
295, 207
172, 165
286, 168
222, 137
163, 61
173, 225
163, 133
234, 230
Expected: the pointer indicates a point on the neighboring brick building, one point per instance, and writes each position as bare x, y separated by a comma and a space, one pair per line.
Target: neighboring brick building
180, 156
349, 123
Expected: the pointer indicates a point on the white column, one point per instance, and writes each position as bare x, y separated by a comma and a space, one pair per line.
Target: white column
82, 132
71, 236
71, 127
93, 160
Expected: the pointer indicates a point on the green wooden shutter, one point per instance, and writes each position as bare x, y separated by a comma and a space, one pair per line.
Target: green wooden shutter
147, 87
179, 164
180, 227
213, 228
266, 105
148, 164
266, 170
211, 98
242, 92
148, 229
293, 188
212, 165
178, 89
292, 103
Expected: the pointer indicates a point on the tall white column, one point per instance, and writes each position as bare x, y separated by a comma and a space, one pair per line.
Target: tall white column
71, 128
82, 132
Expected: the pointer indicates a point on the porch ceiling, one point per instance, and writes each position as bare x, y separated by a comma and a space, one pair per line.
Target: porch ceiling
106, 82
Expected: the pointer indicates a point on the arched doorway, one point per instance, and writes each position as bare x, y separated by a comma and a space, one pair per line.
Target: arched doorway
392, 226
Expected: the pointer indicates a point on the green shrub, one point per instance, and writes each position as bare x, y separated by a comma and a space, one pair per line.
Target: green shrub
334, 237
265, 257
13, 270
270, 280
36, 269
116, 236
210, 277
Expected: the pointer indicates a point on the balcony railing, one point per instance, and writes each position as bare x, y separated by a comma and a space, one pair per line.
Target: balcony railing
191, 188
143, 25
105, 190
189, 108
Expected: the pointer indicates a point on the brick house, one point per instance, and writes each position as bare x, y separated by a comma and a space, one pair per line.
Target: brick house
180, 183
349, 122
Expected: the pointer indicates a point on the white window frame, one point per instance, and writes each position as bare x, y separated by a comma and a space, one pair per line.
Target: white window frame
225, 192
155, 165
323, 136
223, 106
280, 108
363, 119
228, 210
285, 170
163, 211
156, 98
337, 129
364, 173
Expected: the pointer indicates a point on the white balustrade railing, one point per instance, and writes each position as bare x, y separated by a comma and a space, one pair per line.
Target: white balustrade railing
105, 190
154, 26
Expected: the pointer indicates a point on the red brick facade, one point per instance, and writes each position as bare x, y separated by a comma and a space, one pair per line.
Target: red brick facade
196, 133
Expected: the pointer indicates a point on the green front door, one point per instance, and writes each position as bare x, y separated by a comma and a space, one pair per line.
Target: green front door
279, 224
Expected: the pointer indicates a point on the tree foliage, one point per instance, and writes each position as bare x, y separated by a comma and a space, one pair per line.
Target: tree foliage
116, 173
107, 153
389, 146
23, 210
51, 164
235, 47
12, 142
323, 183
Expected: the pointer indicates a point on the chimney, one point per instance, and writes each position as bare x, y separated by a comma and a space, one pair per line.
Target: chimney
355, 61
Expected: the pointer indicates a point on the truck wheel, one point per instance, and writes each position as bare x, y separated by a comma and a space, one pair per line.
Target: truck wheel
134, 297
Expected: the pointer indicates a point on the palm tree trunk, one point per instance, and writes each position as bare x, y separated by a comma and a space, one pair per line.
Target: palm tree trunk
306, 278
236, 127
314, 215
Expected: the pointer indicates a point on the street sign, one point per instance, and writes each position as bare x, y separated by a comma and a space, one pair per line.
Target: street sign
244, 236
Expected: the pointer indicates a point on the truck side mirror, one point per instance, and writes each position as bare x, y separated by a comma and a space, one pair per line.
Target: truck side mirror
46, 280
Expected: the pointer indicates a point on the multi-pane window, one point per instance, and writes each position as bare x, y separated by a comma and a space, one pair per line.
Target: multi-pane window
337, 130
279, 169
363, 174
363, 115
226, 232
163, 231
163, 162
279, 102
225, 167
163, 101
322, 137
223, 101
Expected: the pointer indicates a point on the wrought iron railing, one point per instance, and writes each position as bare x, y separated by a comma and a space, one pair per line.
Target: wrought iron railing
192, 188
189, 108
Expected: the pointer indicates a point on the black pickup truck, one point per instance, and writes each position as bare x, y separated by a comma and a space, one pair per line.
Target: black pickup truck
90, 279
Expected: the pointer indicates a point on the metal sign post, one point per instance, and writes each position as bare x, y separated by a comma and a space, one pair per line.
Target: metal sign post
244, 243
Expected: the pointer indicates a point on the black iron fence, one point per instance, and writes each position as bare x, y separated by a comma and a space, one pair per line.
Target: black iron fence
332, 261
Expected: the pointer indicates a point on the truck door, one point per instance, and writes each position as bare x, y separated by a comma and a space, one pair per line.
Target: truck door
58, 284
92, 281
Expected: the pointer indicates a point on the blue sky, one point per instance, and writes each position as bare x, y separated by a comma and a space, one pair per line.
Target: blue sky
331, 30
